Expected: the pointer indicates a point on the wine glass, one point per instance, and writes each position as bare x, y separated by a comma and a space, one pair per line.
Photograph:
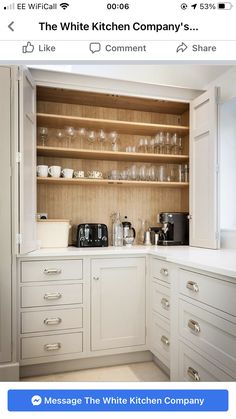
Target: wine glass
91, 137
60, 134
43, 134
82, 133
102, 136
113, 137
70, 133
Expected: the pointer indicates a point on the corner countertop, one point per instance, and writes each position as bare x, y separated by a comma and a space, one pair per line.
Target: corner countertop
222, 262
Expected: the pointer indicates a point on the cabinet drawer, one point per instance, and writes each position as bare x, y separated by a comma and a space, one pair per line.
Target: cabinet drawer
55, 345
161, 270
50, 320
211, 333
51, 270
194, 367
160, 298
51, 295
160, 338
214, 292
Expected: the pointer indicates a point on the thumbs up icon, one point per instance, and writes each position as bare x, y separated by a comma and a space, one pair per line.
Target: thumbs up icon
28, 48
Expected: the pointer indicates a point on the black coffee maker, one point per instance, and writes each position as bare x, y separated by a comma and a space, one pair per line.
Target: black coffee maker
175, 229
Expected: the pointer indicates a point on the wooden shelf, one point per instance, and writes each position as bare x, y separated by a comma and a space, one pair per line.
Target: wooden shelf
75, 153
63, 181
58, 95
122, 127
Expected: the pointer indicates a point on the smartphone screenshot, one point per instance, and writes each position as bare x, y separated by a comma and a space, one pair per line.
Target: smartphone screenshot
117, 209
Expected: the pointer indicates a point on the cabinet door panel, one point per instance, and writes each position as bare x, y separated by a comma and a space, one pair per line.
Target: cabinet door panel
204, 229
27, 144
5, 216
118, 303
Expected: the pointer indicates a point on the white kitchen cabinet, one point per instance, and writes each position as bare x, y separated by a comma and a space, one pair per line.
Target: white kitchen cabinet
53, 303
5, 216
118, 303
204, 168
203, 322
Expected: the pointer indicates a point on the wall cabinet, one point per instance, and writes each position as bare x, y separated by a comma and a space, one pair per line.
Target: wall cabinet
118, 303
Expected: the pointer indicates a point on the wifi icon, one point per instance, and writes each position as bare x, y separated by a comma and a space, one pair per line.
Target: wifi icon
64, 5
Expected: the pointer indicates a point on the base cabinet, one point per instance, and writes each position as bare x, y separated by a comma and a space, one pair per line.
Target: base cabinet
118, 303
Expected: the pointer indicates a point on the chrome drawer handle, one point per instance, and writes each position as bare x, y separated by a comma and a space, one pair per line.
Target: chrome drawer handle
52, 321
193, 374
164, 271
52, 346
53, 296
52, 271
192, 286
165, 340
194, 326
165, 303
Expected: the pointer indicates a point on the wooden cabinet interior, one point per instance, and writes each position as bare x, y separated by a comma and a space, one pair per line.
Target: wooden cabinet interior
133, 118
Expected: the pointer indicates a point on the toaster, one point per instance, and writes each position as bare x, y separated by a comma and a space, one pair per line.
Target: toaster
92, 235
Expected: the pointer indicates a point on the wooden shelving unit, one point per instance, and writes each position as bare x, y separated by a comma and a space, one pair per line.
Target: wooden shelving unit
87, 181
75, 153
122, 127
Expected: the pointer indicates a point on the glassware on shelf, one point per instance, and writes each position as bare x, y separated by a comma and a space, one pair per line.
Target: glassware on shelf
130, 149
142, 172
113, 137
176, 144
91, 137
185, 173
70, 134
151, 146
82, 134
152, 175
60, 134
157, 144
43, 135
102, 137
162, 143
161, 173
168, 144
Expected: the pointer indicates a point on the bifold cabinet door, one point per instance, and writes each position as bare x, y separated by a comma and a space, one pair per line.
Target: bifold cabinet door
118, 303
204, 228
5, 215
27, 148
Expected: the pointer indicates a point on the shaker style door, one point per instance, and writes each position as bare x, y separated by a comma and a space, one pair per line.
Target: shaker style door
204, 223
118, 303
5, 215
27, 165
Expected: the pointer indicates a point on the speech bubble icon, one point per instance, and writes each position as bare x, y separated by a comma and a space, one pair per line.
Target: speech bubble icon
95, 47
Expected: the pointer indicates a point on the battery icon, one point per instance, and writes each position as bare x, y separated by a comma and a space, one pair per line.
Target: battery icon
225, 6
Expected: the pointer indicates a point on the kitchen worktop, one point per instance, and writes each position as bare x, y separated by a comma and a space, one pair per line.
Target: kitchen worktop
221, 261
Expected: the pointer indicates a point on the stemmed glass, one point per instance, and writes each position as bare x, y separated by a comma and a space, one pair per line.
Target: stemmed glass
70, 134
43, 134
102, 136
82, 133
91, 137
60, 134
113, 137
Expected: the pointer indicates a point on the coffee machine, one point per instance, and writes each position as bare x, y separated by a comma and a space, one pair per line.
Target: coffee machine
175, 229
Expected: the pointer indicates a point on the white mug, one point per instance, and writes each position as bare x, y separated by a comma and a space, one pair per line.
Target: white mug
79, 174
67, 173
54, 171
42, 171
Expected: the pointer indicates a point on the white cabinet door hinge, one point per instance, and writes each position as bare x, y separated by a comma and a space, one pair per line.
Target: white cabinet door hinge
19, 238
217, 235
18, 157
217, 168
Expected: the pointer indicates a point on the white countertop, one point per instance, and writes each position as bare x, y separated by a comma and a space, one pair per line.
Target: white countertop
221, 261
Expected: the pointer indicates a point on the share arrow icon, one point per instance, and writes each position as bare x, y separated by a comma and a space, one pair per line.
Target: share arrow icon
194, 6
182, 47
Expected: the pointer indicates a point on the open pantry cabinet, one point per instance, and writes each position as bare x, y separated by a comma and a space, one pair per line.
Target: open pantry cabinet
133, 117
94, 200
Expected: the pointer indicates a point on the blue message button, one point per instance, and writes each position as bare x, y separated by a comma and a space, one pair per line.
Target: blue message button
118, 400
